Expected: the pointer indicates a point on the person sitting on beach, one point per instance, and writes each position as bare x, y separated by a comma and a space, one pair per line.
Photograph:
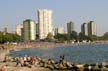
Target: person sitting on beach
25, 58
32, 60
29, 59
25, 63
5, 59
61, 59
21, 62
17, 61
49, 61
2, 69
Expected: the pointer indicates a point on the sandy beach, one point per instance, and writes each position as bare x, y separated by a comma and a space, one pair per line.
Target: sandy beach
53, 44
10, 66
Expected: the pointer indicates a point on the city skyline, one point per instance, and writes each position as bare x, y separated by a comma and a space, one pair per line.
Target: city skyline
14, 12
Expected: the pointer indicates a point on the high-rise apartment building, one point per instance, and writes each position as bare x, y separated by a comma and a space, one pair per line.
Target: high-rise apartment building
70, 27
92, 28
89, 29
18, 29
29, 30
45, 23
84, 28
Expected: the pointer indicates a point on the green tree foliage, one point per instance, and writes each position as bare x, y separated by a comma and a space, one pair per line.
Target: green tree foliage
73, 35
49, 37
93, 37
82, 37
104, 37
9, 37
61, 37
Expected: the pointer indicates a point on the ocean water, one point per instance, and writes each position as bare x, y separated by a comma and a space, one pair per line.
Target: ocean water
77, 54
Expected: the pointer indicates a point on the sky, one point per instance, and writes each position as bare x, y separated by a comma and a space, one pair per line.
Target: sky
13, 12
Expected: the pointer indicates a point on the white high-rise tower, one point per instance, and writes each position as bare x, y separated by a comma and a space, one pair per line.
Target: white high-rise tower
45, 23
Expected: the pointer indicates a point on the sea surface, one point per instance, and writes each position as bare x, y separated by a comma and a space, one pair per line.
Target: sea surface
88, 54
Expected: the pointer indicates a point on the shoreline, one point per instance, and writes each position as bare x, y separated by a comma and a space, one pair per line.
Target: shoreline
44, 45
52, 44
46, 65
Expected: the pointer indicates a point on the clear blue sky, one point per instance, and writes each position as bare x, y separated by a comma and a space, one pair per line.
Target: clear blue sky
13, 12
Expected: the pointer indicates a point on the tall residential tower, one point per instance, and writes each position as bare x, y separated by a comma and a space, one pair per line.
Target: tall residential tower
92, 28
70, 27
29, 30
84, 28
45, 23
89, 29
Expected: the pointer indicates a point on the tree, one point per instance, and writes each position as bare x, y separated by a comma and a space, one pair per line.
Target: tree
49, 37
73, 35
1, 37
82, 37
93, 37
16, 37
61, 37
9, 37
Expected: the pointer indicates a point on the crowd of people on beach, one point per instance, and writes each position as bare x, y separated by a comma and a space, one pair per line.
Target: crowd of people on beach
25, 61
32, 61
61, 64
